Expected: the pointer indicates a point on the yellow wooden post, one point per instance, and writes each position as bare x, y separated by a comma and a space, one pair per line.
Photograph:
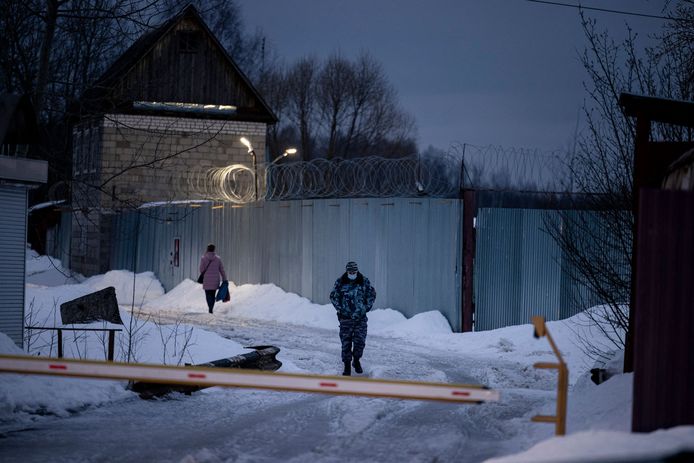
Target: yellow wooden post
562, 399
559, 419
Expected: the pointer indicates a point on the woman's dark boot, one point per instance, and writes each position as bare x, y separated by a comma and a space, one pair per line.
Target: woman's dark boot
357, 366
348, 370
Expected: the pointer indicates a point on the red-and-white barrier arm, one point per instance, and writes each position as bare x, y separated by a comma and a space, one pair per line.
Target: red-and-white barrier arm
203, 376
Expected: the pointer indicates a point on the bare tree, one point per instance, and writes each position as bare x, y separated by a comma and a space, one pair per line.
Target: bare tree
333, 89
302, 79
598, 245
340, 108
274, 86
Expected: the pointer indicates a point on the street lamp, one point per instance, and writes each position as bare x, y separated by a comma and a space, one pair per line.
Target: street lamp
248, 145
286, 153
271, 177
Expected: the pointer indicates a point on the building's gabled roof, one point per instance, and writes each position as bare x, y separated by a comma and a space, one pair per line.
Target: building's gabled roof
102, 91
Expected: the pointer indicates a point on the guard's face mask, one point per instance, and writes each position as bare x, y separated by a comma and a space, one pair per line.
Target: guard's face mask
352, 276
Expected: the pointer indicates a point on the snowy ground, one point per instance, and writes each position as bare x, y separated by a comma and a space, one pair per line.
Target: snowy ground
56, 419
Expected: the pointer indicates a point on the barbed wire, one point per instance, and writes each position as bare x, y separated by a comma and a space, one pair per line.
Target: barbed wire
363, 177
233, 183
513, 169
441, 175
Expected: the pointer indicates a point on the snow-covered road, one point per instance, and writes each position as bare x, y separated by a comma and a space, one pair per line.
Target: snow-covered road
248, 425
70, 419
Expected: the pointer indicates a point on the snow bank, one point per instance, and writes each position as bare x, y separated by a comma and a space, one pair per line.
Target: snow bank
147, 287
268, 302
606, 406
25, 398
38, 264
607, 446
48, 271
169, 343
385, 322
143, 339
261, 302
517, 343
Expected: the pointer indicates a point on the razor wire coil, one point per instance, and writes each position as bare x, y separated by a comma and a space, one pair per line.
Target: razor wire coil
464, 166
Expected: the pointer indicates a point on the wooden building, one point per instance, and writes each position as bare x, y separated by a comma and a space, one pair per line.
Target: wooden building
174, 103
662, 306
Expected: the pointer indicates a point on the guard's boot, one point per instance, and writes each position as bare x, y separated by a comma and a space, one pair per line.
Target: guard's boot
348, 370
357, 367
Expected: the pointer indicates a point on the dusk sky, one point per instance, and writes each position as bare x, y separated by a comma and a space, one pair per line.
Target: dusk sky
502, 72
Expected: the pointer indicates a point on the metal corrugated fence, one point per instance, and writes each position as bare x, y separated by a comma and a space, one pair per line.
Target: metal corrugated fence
521, 271
13, 201
58, 239
409, 248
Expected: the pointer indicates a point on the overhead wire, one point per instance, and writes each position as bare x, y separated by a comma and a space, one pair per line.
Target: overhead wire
604, 10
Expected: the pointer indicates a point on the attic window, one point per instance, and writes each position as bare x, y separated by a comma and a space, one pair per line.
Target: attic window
188, 41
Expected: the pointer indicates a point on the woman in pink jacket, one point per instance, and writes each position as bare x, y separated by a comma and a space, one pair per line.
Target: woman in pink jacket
213, 269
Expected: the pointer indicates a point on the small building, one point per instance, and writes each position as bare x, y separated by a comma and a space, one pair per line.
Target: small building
18, 174
173, 105
661, 319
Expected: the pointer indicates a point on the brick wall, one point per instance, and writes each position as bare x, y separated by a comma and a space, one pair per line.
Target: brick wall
152, 157
123, 161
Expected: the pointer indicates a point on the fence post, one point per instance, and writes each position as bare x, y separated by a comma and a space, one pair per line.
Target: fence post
60, 343
111, 336
562, 391
559, 419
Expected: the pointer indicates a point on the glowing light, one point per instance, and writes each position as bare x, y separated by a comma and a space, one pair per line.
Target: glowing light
247, 144
286, 153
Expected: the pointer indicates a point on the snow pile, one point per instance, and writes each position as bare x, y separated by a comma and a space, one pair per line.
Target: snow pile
146, 286
43, 301
47, 271
606, 406
144, 338
39, 264
25, 398
388, 322
260, 302
268, 302
608, 446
